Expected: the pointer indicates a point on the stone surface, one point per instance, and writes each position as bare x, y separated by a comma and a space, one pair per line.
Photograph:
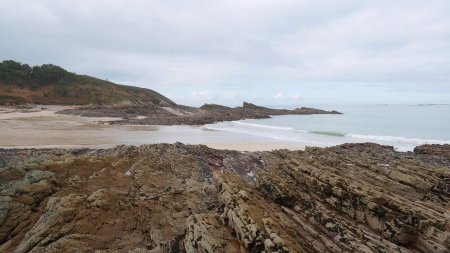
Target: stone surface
182, 198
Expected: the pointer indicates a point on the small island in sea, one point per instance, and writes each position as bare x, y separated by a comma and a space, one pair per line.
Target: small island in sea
69, 184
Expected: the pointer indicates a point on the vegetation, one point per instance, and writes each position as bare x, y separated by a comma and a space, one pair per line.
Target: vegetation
15, 73
51, 84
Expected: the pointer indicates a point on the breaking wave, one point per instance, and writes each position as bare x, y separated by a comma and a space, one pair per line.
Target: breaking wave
317, 136
396, 139
272, 132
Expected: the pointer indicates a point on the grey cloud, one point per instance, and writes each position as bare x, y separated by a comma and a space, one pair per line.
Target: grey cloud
214, 43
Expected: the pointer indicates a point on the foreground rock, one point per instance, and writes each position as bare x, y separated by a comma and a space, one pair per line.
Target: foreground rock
184, 115
179, 198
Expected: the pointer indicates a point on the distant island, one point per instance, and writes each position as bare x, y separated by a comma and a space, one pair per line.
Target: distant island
21, 84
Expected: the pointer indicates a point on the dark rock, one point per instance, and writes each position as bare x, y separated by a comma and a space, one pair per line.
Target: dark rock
184, 115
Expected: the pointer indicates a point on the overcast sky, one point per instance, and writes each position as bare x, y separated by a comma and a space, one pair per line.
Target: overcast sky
268, 52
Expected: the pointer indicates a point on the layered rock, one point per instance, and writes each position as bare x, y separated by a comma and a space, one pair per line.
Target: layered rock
179, 198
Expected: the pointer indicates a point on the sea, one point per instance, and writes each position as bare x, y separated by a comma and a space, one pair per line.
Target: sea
400, 126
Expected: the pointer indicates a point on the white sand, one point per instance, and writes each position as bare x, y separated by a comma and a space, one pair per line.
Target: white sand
44, 129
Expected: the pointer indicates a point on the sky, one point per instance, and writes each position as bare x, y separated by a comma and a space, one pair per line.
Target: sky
269, 52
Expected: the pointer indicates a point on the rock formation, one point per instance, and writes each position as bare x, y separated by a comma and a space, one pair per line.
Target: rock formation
182, 198
185, 115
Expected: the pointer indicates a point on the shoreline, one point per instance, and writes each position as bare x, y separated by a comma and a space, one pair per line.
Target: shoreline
46, 128
33, 127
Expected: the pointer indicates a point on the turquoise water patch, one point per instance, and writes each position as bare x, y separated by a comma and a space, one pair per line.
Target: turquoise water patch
328, 133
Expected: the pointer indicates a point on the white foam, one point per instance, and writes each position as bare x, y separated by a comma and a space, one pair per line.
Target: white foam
263, 126
396, 139
290, 134
271, 132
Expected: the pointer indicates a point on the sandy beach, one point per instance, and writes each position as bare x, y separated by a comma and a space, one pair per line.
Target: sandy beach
41, 127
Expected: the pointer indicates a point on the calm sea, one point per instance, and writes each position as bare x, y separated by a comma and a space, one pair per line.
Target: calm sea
402, 126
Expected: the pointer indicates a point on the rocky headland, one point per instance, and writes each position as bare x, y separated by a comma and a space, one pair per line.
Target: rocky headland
183, 198
25, 86
185, 115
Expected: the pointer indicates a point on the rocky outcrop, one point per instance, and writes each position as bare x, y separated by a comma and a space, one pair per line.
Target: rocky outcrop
433, 149
204, 233
242, 211
213, 106
181, 198
247, 105
184, 115
309, 110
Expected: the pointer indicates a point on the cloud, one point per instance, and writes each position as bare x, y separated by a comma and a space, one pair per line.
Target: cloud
280, 96
237, 45
201, 95
227, 95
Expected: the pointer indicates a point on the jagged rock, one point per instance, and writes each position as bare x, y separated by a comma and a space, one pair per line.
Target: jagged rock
308, 110
213, 106
205, 234
433, 149
55, 222
182, 198
184, 115
99, 198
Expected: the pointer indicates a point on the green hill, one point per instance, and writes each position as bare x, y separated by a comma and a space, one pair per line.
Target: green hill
49, 84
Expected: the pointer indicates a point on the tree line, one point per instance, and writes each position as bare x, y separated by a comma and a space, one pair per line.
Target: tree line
15, 73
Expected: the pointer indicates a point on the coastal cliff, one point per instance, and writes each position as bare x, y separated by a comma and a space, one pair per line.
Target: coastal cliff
183, 198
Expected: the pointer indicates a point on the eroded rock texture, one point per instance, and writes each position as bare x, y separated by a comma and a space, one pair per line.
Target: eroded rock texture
179, 198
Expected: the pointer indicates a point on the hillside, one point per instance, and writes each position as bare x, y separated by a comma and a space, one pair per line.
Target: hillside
51, 84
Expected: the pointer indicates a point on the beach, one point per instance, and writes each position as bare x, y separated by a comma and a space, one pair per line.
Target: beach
44, 128
47, 127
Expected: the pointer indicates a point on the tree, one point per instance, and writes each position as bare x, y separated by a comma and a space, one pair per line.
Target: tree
12, 72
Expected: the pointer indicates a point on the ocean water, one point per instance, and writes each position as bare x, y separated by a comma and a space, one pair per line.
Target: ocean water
401, 126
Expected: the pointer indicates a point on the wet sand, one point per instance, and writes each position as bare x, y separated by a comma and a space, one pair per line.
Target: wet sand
39, 128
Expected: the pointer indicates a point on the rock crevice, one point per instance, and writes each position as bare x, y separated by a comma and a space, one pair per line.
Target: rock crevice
183, 198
